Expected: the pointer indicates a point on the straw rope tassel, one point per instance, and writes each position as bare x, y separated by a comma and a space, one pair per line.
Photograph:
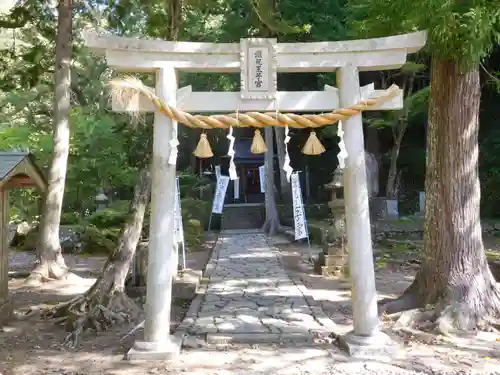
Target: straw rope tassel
313, 145
258, 144
203, 149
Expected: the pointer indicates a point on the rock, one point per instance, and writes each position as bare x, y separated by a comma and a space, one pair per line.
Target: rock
70, 239
29, 241
18, 233
193, 342
25, 237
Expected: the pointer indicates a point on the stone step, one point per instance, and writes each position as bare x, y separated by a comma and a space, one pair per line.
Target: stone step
242, 217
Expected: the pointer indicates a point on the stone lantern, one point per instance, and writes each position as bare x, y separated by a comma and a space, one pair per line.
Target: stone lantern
101, 200
333, 261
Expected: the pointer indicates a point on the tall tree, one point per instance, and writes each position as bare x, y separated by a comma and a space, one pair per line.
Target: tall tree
272, 221
269, 25
454, 275
279, 132
51, 262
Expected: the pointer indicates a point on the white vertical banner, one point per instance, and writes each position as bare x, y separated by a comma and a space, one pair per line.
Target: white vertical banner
217, 172
236, 188
178, 227
262, 178
299, 219
220, 194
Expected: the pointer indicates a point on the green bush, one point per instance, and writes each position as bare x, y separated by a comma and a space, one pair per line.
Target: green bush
107, 218
119, 205
193, 233
195, 209
96, 242
194, 186
70, 218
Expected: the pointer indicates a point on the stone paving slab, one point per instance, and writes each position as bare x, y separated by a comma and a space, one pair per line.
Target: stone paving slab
249, 296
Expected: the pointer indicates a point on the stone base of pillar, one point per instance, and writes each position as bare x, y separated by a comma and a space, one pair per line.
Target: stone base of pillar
335, 271
150, 351
375, 346
333, 261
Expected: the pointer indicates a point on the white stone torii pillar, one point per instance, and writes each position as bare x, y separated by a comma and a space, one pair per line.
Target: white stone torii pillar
157, 341
346, 58
362, 272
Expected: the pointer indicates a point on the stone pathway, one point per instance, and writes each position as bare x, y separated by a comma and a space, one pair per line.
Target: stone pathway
249, 297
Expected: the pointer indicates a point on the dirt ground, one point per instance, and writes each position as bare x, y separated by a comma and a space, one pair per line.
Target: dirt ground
396, 267
33, 346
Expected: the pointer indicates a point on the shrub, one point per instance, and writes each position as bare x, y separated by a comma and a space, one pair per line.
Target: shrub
195, 209
70, 218
193, 233
192, 186
119, 205
96, 242
107, 218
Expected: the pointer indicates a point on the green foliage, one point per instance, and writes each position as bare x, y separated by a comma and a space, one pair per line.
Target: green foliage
107, 218
195, 209
459, 30
193, 233
194, 186
96, 242
70, 218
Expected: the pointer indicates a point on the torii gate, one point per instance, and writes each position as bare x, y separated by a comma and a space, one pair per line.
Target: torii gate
258, 93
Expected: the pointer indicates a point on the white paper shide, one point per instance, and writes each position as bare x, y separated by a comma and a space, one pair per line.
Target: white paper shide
220, 194
298, 210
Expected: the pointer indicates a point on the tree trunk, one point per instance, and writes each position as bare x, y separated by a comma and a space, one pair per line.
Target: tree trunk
272, 223
454, 274
279, 131
393, 167
51, 262
106, 302
174, 16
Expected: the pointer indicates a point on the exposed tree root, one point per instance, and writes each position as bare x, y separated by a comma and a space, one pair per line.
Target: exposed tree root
92, 311
447, 317
106, 303
49, 271
405, 302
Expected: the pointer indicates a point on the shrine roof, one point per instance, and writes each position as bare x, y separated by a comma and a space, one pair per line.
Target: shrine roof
19, 167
